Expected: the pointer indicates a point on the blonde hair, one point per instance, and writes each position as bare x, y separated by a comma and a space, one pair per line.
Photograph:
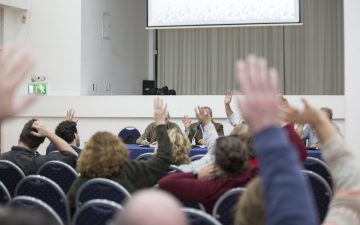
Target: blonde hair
103, 156
250, 210
243, 131
180, 146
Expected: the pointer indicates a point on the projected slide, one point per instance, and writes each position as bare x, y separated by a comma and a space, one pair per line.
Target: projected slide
167, 13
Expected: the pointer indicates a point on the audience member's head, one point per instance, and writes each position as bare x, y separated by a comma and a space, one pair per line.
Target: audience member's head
24, 217
151, 207
244, 132
250, 209
28, 139
208, 110
328, 112
231, 155
181, 147
103, 156
67, 130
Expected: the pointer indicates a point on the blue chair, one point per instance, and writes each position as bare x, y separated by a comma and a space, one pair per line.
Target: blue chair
129, 135
101, 188
223, 208
4, 194
59, 172
196, 157
96, 212
198, 217
26, 202
321, 191
10, 175
319, 167
145, 156
193, 205
46, 190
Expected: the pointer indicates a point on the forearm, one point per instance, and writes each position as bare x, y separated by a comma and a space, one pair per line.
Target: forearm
164, 152
228, 110
233, 120
299, 129
288, 198
61, 144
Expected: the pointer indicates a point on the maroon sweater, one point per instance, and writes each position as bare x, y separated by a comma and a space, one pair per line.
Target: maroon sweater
187, 188
296, 141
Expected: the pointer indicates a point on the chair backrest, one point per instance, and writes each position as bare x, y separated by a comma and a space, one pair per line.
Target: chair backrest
193, 205
96, 212
321, 191
59, 172
4, 194
129, 135
26, 202
174, 169
196, 157
145, 156
10, 175
198, 217
319, 167
224, 207
101, 188
46, 190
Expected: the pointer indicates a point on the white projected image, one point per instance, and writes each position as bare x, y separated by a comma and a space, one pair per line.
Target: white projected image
216, 12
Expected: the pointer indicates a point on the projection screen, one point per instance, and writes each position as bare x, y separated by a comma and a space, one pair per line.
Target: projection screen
184, 13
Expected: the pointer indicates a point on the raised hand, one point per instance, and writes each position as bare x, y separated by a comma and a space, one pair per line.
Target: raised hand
203, 115
228, 97
309, 114
206, 172
260, 104
42, 131
160, 111
14, 67
70, 115
187, 122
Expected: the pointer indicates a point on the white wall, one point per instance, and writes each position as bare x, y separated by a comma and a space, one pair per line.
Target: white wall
121, 61
352, 72
112, 113
53, 32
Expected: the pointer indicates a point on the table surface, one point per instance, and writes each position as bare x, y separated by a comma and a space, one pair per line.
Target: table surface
136, 150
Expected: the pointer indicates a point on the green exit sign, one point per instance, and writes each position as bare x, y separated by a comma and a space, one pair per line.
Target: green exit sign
37, 88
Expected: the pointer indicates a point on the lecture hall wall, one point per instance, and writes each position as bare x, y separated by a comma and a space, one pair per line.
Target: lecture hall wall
55, 36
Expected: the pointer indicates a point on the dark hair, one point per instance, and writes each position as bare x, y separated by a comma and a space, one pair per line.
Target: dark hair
66, 130
231, 155
28, 216
27, 138
208, 108
329, 112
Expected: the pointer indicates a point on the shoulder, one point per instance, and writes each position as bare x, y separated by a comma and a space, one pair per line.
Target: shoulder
218, 125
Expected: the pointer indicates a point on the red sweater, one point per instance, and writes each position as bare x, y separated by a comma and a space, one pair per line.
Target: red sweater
187, 188
296, 141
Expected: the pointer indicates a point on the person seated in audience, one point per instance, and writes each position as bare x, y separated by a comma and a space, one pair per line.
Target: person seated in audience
68, 131
106, 156
25, 154
208, 183
195, 131
151, 207
307, 133
150, 135
288, 196
180, 146
289, 127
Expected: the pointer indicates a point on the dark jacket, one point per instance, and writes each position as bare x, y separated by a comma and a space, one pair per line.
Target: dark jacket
136, 175
29, 162
150, 132
199, 135
52, 148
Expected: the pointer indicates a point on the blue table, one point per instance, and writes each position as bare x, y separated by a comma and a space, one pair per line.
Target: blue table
314, 153
136, 150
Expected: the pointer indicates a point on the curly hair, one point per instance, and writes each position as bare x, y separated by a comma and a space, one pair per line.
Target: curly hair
103, 156
180, 146
246, 135
231, 155
66, 130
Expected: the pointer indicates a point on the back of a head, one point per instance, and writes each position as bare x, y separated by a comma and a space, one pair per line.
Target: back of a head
180, 146
250, 210
103, 156
244, 132
27, 138
151, 207
66, 130
231, 155
24, 217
